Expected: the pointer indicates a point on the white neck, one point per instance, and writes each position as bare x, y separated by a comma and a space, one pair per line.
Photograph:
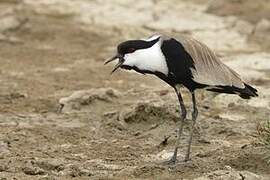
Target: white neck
150, 59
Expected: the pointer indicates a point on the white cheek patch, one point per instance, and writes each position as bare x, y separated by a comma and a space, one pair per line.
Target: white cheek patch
150, 59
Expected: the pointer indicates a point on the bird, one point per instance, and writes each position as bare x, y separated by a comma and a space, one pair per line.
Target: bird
181, 62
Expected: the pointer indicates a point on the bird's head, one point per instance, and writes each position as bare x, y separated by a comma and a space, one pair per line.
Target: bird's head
140, 55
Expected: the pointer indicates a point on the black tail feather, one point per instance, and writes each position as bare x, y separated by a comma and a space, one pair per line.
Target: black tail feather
245, 93
248, 92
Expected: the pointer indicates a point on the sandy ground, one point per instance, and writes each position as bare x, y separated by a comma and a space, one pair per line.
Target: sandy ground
112, 127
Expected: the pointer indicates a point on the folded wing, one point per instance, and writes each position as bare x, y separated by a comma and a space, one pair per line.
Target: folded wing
208, 69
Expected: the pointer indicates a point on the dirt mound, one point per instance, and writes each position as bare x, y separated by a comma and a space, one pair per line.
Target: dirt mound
86, 97
148, 113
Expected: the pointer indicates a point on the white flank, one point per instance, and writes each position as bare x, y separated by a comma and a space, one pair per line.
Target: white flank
150, 59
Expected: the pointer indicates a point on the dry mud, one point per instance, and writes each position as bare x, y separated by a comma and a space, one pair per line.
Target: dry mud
112, 127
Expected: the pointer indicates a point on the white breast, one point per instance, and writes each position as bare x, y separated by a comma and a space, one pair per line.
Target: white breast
150, 59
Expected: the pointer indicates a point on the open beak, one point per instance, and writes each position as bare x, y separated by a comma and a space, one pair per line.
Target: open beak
119, 64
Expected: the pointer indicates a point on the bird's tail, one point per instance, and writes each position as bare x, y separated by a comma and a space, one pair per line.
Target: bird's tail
248, 92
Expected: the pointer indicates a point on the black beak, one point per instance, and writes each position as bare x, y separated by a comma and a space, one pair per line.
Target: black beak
119, 64
111, 59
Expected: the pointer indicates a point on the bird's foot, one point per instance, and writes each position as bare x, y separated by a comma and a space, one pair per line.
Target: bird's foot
173, 161
170, 162
187, 158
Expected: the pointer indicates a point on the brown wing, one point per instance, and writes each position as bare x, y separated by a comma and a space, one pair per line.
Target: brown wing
209, 69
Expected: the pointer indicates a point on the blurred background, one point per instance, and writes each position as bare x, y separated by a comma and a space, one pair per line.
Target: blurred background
112, 127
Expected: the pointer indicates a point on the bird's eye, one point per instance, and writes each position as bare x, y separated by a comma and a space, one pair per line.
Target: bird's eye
130, 50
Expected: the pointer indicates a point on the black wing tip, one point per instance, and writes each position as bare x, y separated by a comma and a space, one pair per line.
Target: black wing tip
248, 92
245, 93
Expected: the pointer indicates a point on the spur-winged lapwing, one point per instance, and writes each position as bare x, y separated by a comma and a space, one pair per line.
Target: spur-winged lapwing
182, 62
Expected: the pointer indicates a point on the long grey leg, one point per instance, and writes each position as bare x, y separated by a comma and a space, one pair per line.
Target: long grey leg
181, 125
194, 117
